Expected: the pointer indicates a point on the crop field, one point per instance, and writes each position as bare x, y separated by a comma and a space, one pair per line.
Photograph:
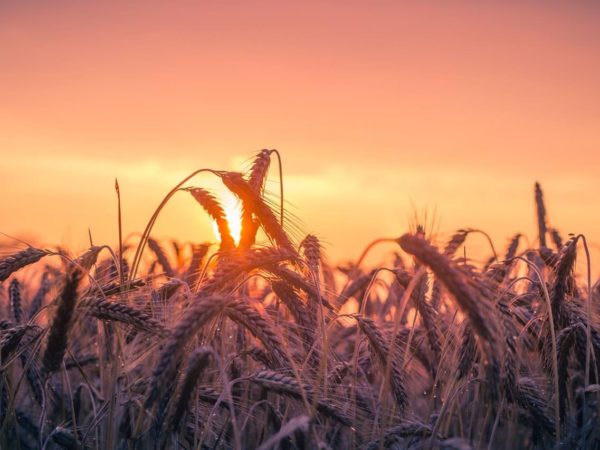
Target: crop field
258, 341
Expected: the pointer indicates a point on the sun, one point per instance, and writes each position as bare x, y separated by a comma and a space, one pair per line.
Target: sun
233, 214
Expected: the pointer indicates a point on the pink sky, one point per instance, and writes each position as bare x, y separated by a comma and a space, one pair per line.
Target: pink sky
377, 107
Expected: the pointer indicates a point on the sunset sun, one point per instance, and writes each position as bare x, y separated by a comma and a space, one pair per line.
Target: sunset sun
233, 214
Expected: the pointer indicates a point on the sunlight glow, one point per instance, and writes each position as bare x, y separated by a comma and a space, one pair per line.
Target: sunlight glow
233, 213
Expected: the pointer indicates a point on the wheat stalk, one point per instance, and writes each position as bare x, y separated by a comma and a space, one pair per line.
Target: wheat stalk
214, 209
14, 296
61, 324
200, 312
106, 310
12, 263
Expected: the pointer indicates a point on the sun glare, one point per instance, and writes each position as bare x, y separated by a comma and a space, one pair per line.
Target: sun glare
233, 213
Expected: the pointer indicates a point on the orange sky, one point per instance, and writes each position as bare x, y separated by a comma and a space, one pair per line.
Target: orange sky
456, 107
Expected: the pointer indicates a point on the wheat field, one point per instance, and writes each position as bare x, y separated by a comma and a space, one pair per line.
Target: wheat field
257, 341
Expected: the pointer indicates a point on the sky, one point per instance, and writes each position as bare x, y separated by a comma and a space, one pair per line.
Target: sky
380, 110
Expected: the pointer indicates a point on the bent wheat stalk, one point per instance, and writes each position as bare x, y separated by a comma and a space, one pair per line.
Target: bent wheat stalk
12, 263
453, 279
